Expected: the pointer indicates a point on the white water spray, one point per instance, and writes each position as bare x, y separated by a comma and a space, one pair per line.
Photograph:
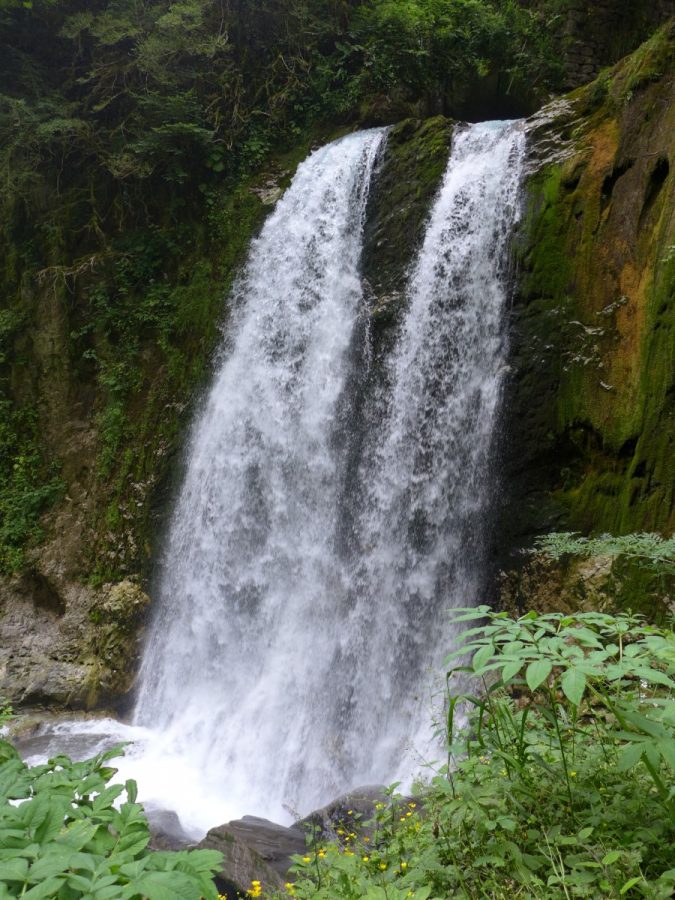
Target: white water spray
425, 476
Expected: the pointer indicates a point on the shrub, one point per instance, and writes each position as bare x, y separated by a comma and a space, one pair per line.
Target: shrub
65, 833
558, 777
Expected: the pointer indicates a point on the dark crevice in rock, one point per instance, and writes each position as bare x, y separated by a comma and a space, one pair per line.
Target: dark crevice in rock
42, 592
657, 179
610, 181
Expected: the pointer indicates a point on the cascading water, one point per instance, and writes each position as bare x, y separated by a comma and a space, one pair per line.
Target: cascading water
424, 475
287, 663
237, 672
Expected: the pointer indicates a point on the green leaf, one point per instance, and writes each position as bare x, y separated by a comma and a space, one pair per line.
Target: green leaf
511, 669
630, 883
132, 790
79, 883
133, 844
53, 863
573, 684
653, 675
482, 656
611, 857
46, 889
537, 672
667, 749
14, 870
163, 886
630, 756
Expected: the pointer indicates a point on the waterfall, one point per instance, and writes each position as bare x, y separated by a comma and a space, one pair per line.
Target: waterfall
425, 481
237, 672
319, 537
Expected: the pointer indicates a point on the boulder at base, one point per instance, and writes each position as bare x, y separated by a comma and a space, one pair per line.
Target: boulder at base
242, 864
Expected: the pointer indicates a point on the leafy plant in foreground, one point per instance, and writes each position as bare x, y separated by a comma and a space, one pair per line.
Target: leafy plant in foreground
66, 833
559, 775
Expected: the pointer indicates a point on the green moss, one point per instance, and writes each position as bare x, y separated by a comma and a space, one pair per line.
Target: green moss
29, 484
593, 436
413, 164
648, 64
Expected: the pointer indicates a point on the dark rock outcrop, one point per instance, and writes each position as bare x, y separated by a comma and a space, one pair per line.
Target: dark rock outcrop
64, 644
260, 850
343, 814
253, 850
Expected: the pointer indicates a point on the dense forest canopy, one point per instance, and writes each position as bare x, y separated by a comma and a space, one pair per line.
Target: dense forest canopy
177, 91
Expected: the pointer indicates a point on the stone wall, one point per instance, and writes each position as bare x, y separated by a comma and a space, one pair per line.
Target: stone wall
601, 32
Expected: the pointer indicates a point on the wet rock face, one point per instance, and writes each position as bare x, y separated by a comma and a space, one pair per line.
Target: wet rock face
410, 173
166, 831
589, 418
242, 864
67, 645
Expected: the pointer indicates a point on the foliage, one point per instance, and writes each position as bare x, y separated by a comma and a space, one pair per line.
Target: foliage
27, 484
558, 779
65, 832
650, 550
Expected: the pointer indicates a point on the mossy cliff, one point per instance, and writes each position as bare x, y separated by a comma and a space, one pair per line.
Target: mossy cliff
589, 418
413, 163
